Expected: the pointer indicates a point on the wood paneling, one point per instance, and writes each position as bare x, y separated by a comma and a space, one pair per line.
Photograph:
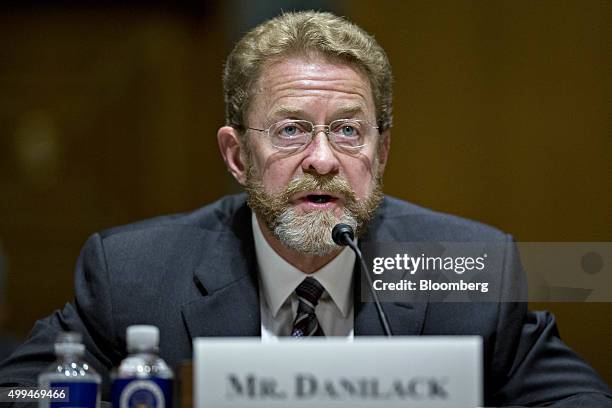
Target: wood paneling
107, 117
503, 114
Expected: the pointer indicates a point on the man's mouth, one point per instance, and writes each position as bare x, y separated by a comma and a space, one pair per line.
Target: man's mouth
317, 199
320, 198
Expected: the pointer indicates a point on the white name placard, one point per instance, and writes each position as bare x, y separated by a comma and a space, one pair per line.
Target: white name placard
372, 372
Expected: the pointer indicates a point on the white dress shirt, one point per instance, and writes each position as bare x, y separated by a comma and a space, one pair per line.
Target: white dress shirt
278, 280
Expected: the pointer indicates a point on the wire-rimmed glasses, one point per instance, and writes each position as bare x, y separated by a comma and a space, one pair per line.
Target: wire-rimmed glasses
291, 135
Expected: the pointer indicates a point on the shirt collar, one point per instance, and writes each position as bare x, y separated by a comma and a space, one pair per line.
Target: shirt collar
279, 278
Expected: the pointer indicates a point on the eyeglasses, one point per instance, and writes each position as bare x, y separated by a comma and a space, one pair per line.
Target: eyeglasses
349, 135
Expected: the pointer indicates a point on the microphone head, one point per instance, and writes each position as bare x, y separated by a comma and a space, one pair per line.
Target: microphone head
342, 234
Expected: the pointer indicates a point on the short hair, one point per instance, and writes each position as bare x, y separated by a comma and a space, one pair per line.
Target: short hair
305, 33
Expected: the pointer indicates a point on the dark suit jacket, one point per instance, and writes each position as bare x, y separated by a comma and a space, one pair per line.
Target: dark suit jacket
196, 275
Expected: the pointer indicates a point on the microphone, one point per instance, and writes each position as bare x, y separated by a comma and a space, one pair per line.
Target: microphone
343, 235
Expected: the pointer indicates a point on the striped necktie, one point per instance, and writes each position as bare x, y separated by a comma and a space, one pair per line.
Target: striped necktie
306, 323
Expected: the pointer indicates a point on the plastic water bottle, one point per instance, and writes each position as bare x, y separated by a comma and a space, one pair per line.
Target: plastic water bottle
71, 372
143, 380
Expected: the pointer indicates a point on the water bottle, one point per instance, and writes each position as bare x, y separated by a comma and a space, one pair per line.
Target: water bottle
143, 380
71, 372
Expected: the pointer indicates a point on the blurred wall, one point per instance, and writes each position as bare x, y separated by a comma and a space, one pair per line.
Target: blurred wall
109, 115
503, 113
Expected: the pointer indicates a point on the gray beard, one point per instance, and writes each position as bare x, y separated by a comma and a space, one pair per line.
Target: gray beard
310, 233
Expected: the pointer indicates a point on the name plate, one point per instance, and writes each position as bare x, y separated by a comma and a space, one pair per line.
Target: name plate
372, 372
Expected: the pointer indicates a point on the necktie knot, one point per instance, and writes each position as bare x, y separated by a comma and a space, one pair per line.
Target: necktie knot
310, 290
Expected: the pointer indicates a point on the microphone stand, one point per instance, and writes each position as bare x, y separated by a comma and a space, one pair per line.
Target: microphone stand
343, 234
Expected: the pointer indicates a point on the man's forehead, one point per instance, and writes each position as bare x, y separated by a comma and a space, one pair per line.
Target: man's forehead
311, 66
346, 110
299, 77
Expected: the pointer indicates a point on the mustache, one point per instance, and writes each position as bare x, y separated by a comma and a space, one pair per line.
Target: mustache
272, 207
330, 183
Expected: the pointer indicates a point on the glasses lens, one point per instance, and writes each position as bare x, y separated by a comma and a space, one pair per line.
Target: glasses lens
290, 134
349, 133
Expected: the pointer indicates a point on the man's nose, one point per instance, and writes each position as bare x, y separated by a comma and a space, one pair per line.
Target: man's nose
320, 155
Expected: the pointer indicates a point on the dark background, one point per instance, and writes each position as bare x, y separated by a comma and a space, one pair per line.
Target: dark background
109, 112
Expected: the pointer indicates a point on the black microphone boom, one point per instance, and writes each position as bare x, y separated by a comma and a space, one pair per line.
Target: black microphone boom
343, 235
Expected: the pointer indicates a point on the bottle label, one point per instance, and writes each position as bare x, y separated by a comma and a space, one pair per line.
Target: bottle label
142, 393
80, 394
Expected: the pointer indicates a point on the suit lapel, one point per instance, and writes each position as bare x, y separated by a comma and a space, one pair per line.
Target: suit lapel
226, 278
231, 311
405, 318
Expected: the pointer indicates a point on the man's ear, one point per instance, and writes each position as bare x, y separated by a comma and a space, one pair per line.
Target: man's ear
233, 152
383, 149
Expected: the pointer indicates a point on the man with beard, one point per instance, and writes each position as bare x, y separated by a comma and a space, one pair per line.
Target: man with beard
307, 134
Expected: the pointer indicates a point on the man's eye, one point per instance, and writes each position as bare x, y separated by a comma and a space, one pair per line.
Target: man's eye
349, 131
291, 130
